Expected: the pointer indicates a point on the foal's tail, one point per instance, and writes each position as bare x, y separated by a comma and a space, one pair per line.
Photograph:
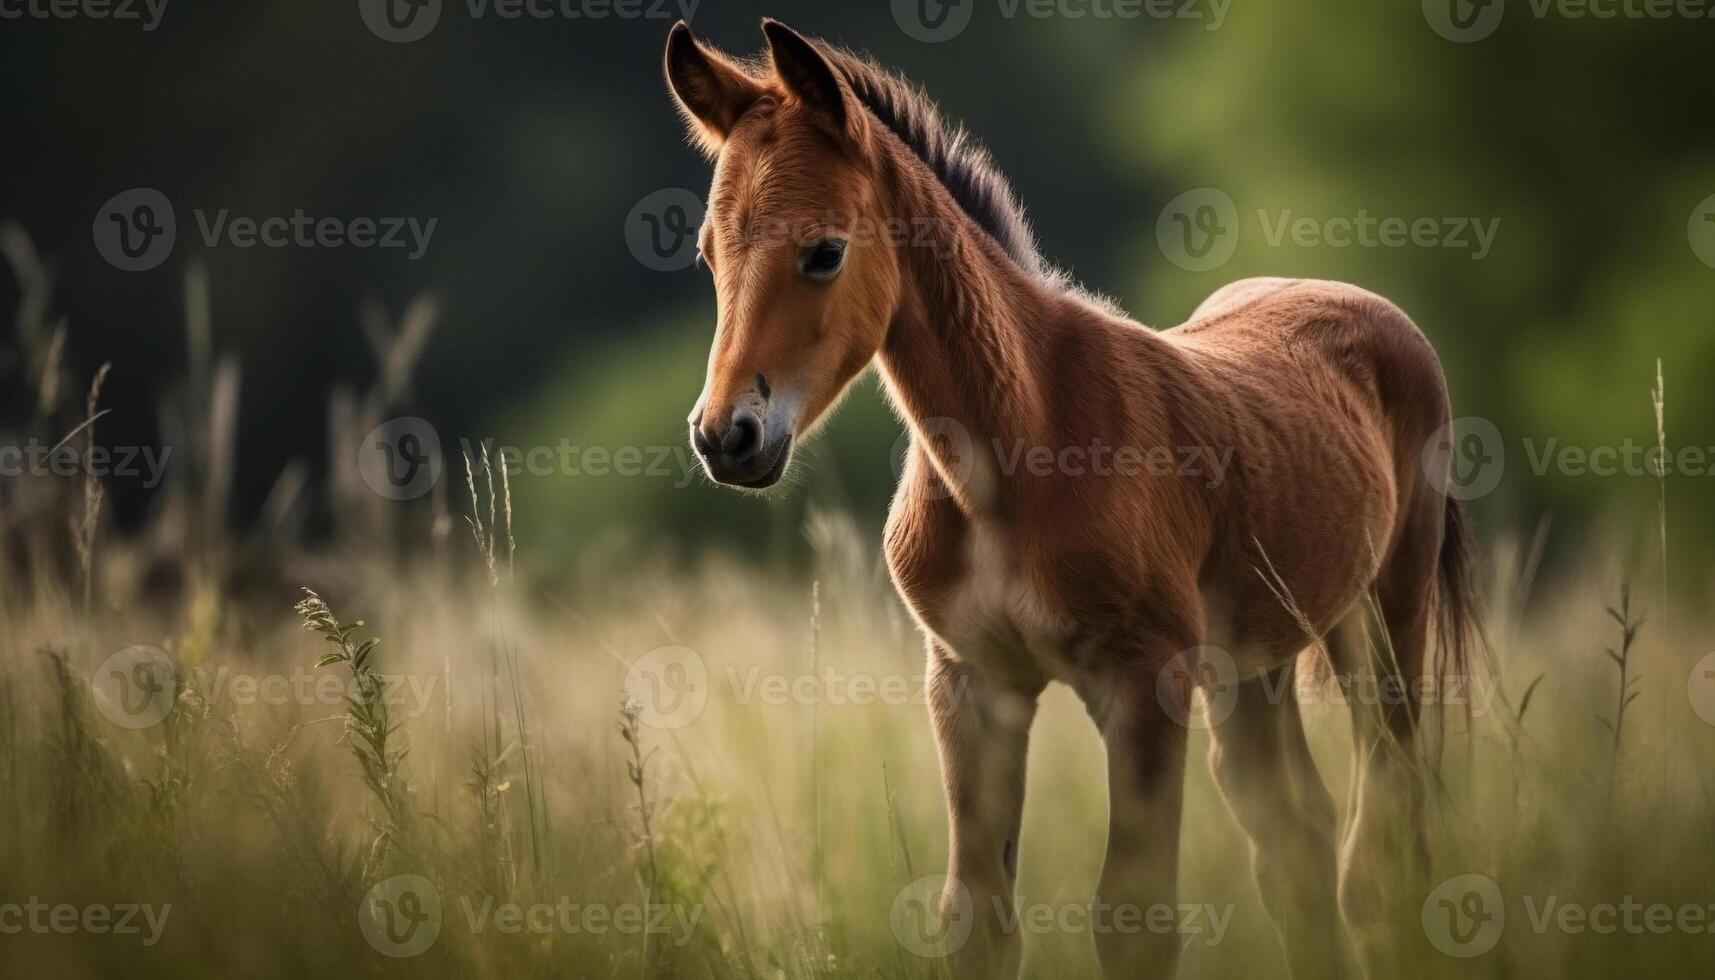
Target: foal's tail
1459, 628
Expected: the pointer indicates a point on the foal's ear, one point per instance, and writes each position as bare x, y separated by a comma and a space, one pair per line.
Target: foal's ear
813, 80
712, 91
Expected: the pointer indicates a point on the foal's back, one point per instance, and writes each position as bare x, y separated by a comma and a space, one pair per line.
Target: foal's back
1331, 394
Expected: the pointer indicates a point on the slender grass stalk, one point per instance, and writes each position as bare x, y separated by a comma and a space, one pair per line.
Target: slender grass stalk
817, 869
637, 770
1622, 658
1658, 400
84, 527
369, 725
502, 653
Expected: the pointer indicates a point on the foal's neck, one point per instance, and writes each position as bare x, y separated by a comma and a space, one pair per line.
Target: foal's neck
967, 354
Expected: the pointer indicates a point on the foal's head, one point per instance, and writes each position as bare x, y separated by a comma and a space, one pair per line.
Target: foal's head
804, 288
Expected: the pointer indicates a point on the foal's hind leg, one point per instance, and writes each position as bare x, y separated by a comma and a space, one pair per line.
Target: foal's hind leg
1263, 766
1142, 722
1385, 856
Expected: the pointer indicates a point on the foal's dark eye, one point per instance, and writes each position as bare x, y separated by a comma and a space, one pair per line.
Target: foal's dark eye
702, 263
824, 259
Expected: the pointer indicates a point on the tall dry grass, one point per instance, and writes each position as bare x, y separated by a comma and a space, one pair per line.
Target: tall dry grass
510, 747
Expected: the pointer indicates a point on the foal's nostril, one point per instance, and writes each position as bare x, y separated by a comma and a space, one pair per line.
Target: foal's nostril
743, 438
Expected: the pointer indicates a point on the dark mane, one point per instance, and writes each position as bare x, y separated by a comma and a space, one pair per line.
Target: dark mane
962, 164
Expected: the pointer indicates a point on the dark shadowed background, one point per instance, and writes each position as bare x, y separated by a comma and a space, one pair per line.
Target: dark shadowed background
1560, 166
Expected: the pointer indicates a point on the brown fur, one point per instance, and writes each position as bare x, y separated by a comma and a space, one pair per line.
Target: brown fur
1324, 394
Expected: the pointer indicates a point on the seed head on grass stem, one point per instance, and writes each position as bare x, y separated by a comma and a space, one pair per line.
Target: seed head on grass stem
637, 770
369, 726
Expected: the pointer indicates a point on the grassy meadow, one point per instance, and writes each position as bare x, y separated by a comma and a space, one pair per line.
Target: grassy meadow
772, 783
698, 769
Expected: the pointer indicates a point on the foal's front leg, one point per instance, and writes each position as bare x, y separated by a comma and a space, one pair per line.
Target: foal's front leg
982, 729
1143, 726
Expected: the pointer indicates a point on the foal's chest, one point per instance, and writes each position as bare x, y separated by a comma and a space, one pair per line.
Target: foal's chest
974, 592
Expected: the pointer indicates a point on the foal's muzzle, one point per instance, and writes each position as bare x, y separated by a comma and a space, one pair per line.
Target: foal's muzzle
744, 454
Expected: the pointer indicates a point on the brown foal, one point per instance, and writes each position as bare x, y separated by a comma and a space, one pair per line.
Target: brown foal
848, 224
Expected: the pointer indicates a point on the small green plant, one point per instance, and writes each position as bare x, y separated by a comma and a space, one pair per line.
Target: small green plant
369, 727
495, 860
1622, 658
637, 771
